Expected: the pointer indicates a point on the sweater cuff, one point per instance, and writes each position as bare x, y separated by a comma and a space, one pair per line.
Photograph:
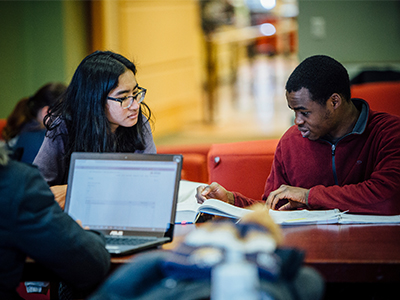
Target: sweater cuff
232, 198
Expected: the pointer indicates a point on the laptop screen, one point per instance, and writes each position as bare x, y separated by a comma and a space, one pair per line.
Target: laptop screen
123, 191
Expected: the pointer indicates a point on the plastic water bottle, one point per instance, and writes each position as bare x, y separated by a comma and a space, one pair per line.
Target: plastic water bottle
235, 279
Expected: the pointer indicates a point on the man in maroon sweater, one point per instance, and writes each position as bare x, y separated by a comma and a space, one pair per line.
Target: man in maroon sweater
339, 154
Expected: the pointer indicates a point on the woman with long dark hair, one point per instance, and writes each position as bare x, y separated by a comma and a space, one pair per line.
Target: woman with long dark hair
102, 110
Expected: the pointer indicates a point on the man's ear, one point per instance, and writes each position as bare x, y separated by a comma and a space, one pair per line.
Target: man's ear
335, 100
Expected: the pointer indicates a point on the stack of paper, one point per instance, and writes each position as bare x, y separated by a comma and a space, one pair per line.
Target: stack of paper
296, 217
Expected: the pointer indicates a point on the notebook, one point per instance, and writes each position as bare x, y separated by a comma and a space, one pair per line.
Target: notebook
125, 196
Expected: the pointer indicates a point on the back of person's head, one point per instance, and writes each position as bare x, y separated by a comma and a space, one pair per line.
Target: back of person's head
322, 76
27, 109
45, 96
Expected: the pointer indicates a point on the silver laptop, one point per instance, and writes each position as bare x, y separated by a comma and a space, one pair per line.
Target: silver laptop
130, 198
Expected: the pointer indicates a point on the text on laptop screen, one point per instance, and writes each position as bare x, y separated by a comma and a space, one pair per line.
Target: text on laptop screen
126, 195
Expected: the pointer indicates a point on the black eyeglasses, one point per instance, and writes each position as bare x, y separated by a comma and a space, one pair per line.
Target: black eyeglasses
126, 102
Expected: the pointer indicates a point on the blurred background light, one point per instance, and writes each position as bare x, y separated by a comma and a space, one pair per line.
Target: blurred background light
268, 4
267, 29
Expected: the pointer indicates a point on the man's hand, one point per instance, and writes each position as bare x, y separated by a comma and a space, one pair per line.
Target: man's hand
296, 196
59, 192
215, 191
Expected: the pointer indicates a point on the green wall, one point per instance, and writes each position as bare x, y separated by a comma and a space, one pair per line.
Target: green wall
357, 33
39, 42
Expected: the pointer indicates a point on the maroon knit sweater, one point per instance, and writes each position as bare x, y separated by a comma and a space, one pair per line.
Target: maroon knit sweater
360, 173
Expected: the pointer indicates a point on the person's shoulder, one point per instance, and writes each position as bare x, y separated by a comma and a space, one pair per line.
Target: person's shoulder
21, 167
384, 127
29, 138
290, 135
16, 172
58, 127
61, 125
383, 119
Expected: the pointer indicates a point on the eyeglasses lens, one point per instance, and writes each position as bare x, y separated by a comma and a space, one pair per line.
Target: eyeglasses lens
128, 102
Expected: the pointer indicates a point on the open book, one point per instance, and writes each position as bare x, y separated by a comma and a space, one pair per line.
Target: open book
188, 211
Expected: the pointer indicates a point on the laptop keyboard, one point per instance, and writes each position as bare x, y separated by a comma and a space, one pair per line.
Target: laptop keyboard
126, 241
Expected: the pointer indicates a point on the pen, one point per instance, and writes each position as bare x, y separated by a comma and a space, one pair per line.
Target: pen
185, 222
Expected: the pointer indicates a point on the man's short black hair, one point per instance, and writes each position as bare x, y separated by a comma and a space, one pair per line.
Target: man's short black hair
322, 76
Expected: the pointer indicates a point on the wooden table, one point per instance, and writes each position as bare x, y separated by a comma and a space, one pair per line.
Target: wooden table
349, 253
356, 261
343, 254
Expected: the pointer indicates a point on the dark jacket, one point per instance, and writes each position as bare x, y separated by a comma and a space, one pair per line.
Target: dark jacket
33, 224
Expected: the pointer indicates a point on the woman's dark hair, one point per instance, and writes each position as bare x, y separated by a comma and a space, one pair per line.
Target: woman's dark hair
322, 76
27, 109
83, 108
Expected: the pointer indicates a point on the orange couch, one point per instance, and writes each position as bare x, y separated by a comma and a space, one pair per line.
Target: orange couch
194, 166
381, 96
241, 166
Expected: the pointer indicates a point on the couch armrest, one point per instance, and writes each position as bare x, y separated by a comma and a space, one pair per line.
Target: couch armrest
194, 167
242, 166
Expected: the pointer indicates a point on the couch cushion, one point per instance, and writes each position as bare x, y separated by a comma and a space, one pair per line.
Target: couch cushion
381, 96
242, 166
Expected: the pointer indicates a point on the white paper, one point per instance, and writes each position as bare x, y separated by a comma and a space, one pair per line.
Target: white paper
369, 219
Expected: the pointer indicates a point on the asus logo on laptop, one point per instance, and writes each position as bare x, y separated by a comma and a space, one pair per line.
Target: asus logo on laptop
116, 232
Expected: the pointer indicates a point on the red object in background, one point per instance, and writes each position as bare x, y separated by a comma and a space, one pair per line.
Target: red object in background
381, 96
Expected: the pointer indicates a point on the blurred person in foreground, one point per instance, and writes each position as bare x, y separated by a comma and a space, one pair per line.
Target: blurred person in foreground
339, 154
33, 225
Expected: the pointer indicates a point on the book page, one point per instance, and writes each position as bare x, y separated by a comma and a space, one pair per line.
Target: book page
187, 192
223, 209
187, 207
